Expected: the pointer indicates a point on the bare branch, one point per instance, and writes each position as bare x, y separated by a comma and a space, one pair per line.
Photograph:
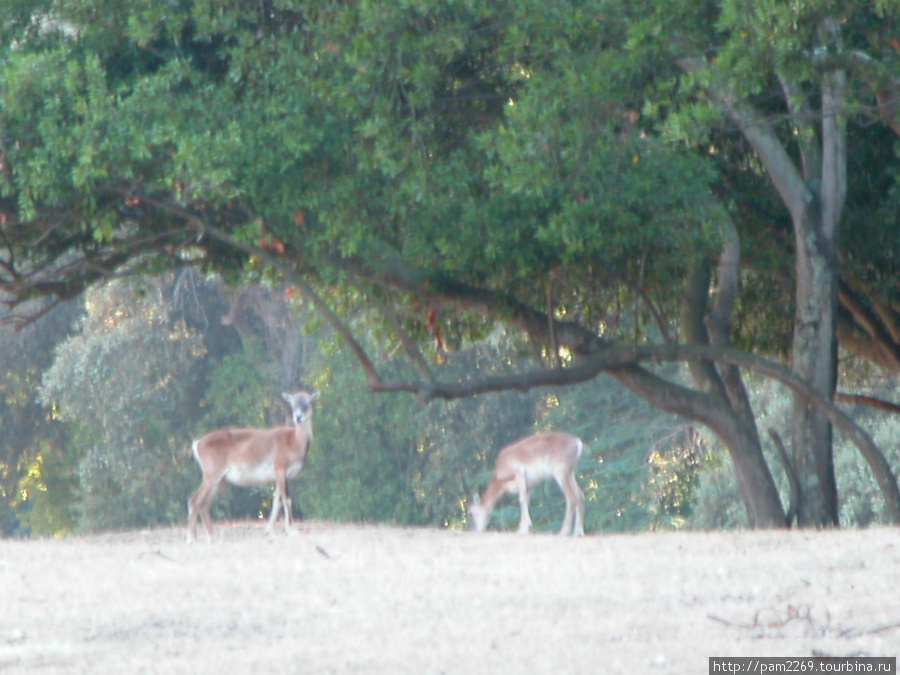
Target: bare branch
871, 401
759, 133
884, 345
409, 345
291, 275
794, 484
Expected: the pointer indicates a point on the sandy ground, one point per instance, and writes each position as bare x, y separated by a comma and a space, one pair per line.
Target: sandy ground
367, 599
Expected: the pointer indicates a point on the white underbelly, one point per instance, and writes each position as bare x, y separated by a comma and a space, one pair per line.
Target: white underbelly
537, 472
245, 475
261, 474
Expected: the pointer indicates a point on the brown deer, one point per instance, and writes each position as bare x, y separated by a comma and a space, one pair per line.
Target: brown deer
250, 457
531, 460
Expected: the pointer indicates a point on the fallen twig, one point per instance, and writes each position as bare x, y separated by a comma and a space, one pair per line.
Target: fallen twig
803, 614
159, 553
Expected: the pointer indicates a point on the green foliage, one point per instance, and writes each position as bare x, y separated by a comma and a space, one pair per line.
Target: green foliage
236, 394
50, 488
28, 434
366, 452
717, 505
123, 381
483, 142
551, 150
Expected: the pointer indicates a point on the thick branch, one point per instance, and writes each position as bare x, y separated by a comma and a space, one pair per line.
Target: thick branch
615, 358
409, 345
802, 117
793, 483
692, 311
759, 133
834, 137
870, 401
390, 270
719, 324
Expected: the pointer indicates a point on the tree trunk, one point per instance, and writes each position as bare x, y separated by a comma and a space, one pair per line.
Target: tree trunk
734, 424
758, 491
814, 360
815, 325
815, 197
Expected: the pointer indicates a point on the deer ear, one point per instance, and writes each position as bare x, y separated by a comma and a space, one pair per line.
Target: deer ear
314, 396
286, 397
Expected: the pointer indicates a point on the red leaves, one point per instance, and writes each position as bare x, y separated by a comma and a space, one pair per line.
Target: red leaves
270, 241
432, 326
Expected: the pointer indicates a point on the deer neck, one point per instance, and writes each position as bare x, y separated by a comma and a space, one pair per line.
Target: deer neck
304, 429
492, 494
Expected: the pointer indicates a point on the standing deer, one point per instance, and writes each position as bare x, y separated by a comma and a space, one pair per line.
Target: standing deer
251, 457
531, 460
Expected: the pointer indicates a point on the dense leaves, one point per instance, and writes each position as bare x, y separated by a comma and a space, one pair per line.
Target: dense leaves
123, 383
265, 119
560, 167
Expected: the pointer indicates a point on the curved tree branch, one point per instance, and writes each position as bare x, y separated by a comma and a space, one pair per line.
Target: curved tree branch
870, 401
615, 358
793, 483
760, 135
595, 354
409, 345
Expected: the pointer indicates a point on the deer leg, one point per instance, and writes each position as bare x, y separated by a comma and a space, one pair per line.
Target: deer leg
193, 511
288, 508
205, 515
192, 519
524, 491
578, 531
277, 501
575, 501
198, 506
567, 520
273, 515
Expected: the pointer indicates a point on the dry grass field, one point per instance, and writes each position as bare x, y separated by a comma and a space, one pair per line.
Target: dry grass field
368, 599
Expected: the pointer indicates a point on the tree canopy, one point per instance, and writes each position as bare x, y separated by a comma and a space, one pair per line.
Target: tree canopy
591, 173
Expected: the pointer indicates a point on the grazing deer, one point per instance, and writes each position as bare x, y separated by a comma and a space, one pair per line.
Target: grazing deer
531, 460
253, 457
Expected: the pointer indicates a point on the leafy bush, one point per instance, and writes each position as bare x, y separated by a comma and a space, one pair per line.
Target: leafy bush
124, 382
366, 449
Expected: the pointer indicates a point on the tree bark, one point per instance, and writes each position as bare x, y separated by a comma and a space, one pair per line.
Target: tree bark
736, 425
815, 327
815, 199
